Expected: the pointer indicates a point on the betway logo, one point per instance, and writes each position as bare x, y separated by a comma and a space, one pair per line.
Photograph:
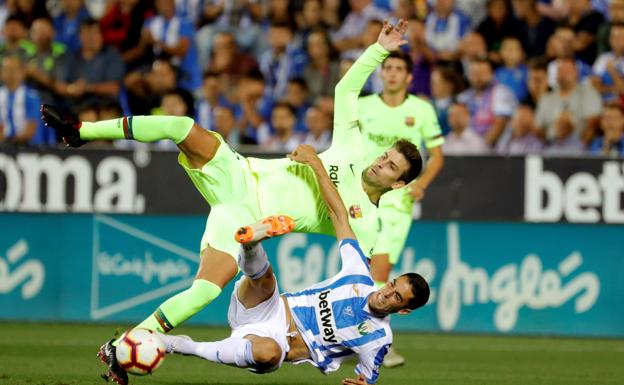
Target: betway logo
111, 187
582, 198
326, 318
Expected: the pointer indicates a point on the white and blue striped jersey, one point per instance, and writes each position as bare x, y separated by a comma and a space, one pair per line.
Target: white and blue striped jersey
335, 321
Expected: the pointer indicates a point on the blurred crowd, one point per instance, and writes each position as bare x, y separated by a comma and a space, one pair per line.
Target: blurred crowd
505, 76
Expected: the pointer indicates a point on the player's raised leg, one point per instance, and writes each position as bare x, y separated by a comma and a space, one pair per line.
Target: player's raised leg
196, 143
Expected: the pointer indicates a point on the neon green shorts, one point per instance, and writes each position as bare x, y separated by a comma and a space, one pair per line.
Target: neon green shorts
395, 217
227, 184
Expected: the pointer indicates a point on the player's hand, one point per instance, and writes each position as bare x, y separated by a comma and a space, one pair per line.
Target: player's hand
361, 380
304, 153
391, 36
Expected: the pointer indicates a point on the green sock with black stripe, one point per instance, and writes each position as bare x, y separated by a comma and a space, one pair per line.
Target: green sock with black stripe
181, 307
141, 128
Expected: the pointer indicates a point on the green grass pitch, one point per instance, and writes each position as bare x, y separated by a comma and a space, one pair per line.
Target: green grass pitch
53, 354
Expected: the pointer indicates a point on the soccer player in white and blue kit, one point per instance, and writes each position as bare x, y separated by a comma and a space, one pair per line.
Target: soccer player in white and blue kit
323, 324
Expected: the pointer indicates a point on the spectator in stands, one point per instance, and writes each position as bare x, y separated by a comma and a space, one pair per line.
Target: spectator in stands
562, 43
145, 90
225, 124
332, 13
537, 81
298, 97
445, 26
585, 21
474, 10
16, 35
253, 106
462, 140
121, 27
565, 141
169, 35
445, 84
616, 16
92, 75
555, 9
514, 72
237, 17
191, 10
322, 70
536, 28
318, 125
43, 59
280, 11
19, 105
582, 102
611, 143
67, 24
282, 137
519, 138
211, 97
227, 58
472, 47
608, 69
178, 102
28, 10
309, 19
422, 57
490, 104
282, 60
348, 39
499, 23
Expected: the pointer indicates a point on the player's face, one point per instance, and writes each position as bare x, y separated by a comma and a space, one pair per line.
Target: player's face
392, 298
386, 170
395, 75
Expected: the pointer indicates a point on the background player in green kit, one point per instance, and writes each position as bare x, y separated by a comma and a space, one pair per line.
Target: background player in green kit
384, 118
244, 190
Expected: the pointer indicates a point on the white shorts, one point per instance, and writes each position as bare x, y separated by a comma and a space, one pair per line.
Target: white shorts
267, 319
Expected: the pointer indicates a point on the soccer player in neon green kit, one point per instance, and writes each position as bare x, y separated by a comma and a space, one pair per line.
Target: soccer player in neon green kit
384, 118
244, 190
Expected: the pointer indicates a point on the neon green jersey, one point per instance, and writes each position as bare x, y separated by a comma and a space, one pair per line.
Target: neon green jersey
382, 125
287, 187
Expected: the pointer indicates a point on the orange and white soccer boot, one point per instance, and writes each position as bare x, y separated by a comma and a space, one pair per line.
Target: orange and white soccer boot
272, 226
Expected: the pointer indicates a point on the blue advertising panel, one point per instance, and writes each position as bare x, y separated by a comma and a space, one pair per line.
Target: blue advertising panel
559, 279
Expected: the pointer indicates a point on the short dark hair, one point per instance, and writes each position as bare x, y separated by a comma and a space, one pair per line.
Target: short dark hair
16, 18
299, 81
409, 64
210, 74
285, 105
89, 22
412, 155
482, 60
420, 289
450, 75
538, 63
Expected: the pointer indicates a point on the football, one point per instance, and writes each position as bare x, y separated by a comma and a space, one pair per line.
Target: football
140, 351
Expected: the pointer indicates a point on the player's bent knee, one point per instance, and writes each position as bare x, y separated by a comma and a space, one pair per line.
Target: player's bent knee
267, 353
217, 267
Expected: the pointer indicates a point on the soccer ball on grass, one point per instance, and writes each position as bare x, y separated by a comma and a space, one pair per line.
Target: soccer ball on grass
140, 351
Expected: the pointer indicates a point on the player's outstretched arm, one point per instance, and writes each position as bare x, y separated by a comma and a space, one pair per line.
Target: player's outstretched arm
348, 88
305, 154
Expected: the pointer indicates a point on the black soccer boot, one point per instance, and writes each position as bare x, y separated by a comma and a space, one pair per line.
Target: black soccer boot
115, 371
65, 124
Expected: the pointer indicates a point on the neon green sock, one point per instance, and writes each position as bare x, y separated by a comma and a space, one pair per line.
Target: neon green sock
181, 307
141, 128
